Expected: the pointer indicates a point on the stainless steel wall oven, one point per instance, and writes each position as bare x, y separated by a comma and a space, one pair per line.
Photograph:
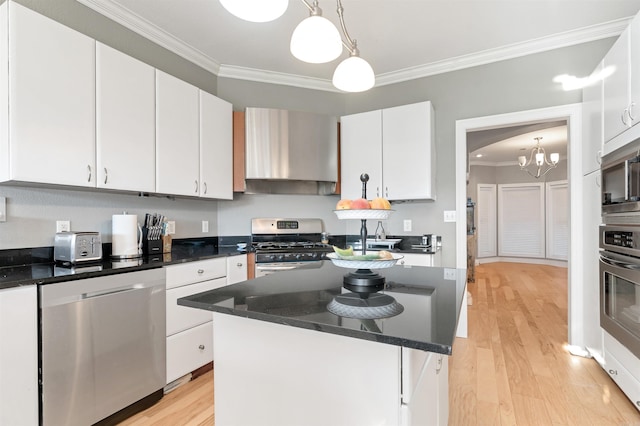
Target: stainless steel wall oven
620, 284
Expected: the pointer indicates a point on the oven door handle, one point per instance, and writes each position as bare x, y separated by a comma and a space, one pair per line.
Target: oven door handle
275, 268
619, 263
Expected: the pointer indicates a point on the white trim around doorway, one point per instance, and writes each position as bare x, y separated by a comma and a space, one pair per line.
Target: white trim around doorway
573, 114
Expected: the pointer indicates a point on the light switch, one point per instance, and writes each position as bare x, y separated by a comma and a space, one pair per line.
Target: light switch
407, 225
205, 226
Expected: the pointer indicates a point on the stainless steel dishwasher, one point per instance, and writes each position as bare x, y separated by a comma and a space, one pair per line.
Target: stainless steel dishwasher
103, 346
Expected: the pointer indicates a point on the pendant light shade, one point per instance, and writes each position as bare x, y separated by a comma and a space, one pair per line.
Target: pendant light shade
316, 40
256, 10
354, 74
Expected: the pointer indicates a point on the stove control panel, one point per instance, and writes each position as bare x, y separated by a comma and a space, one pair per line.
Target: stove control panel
289, 257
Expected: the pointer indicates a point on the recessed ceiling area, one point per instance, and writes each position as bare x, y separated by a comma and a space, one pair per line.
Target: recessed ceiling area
503, 146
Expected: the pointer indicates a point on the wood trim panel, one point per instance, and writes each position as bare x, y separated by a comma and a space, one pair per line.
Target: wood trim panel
238, 152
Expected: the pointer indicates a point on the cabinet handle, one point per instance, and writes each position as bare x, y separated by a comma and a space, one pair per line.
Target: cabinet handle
402, 262
377, 191
239, 265
201, 347
106, 175
196, 181
630, 111
89, 171
599, 157
439, 364
638, 403
386, 192
204, 184
200, 271
613, 372
623, 116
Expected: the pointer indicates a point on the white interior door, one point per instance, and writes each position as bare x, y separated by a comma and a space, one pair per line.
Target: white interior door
487, 221
557, 211
522, 220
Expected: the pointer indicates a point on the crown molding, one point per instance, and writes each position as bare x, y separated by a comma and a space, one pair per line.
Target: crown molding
146, 29
128, 19
273, 77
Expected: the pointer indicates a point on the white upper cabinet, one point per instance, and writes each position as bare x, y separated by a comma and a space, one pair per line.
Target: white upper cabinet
621, 104
361, 152
48, 100
592, 136
216, 147
177, 136
125, 121
395, 147
408, 152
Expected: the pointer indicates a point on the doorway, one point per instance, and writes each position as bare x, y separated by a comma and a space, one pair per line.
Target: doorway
573, 115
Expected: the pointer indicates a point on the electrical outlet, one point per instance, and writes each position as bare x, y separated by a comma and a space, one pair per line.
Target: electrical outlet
407, 225
449, 215
449, 274
205, 226
63, 226
171, 227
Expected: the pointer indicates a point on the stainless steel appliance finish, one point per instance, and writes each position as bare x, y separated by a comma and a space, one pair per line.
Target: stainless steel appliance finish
77, 247
103, 345
620, 284
290, 151
282, 244
621, 180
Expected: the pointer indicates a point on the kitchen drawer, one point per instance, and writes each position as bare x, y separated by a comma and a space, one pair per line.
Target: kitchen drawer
412, 259
623, 378
193, 272
189, 350
180, 318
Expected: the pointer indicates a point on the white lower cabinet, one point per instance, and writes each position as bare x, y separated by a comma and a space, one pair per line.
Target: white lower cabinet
413, 259
236, 269
19, 356
190, 331
189, 350
623, 367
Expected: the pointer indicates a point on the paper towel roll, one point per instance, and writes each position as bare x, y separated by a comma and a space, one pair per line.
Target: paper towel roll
124, 236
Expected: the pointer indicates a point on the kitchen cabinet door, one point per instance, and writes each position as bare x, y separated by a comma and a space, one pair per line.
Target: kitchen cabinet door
237, 269
216, 147
125, 121
19, 356
592, 135
177, 138
51, 99
616, 87
360, 152
408, 152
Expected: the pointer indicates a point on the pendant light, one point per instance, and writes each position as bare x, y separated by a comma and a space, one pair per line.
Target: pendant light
354, 74
538, 157
315, 40
256, 10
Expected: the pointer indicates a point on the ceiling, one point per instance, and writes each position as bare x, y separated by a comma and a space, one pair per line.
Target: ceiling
401, 39
512, 142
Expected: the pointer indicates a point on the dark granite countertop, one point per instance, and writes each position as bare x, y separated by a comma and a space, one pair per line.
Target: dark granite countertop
46, 271
431, 299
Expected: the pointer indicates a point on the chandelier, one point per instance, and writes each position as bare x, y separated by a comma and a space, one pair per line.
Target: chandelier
538, 158
315, 40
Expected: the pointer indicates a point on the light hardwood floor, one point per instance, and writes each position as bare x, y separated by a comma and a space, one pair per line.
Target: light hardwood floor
512, 370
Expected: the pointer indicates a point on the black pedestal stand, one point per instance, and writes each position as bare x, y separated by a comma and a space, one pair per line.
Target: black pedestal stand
364, 277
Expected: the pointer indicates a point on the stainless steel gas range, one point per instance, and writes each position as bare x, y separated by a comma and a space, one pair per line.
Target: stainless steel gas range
282, 244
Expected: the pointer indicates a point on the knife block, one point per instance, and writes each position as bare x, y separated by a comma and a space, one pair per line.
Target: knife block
150, 246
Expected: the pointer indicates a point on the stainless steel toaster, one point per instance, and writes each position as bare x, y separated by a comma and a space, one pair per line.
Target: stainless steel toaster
77, 247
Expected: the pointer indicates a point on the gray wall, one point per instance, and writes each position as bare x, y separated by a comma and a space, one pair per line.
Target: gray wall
513, 85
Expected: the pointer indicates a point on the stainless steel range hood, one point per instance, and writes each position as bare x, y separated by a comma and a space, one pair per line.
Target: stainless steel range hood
290, 152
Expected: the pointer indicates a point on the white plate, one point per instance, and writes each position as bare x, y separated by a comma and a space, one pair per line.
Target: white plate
364, 214
364, 264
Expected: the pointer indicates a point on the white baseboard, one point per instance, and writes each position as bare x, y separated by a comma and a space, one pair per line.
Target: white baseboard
535, 261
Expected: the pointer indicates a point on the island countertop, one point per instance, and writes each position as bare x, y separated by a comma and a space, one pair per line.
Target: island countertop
430, 300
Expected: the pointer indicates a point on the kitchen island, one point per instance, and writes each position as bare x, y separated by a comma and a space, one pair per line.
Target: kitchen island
299, 348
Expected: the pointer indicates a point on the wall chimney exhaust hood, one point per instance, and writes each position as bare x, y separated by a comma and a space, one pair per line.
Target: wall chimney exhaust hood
290, 152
